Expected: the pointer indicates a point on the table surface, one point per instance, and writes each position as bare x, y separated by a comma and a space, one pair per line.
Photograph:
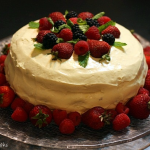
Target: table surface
131, 14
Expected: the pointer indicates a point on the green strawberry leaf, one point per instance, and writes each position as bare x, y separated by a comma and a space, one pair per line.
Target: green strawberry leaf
105, 57
83, 59
98, 15
66, 12
84, 28
69, 23
81, 22
74, 41
104, 26
50, 20
33, 25
39, 46
119, 44
59, 40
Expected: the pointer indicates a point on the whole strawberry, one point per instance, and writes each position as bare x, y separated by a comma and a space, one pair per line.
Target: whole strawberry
41, 34
112, 30
18, 102
140, 106
147, 83
98, 48
66, 34
2, 79
44, 24
55, 16
40, 116
121, 121
143, 91
6, 96
120, 108
147, 55
62, 51
2, 58
85, 15
75, 117
102, 20
111, 114
28, 107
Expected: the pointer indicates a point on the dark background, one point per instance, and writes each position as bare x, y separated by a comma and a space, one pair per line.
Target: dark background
132, 14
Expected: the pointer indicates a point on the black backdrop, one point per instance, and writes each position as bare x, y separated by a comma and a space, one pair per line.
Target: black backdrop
133, 14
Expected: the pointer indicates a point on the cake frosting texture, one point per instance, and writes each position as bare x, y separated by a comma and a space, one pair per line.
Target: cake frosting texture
38, 79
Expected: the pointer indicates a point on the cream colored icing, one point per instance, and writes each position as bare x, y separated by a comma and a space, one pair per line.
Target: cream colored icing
38, 79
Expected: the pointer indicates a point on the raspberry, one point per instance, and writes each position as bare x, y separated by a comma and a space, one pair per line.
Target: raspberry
18, 102
112, 30
55, 16
49, 40
93, 33
74, 20
59, 23
71, 14
62, 51
98, 48
79, 35
41, 34
109, 38
85, 15
44, 24
81, 48
66, 34
102, 20
75, 117
92, 22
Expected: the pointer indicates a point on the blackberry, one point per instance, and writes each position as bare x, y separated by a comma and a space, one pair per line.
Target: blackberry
92, 22
59, 23
109, 38
79, 35
75, 28
49, 40
71, 14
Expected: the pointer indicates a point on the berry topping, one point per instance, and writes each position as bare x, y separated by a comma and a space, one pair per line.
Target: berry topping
79, 35
81, 48
147, 55
75, 117
120, 108
62, 51
18, 102
55, 16
85, 15
92, 22
102, 20
66, 34
2, 58
71, 14
59, 23
74, 20
44, 24
49, 40
75, 28
109, 38
143, 91
41, 34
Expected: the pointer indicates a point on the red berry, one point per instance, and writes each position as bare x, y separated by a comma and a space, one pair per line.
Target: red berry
75, 117
62, 50
18, 102
147, 55
102, 20
147, 83
2, 79
121, 121
98, 48
143, 91
28, 107
93, 33
44, 24
85, 15
19, 115
2, 58
112, 114
74, 20
67, 126
112, 30
66, 34
55, 16
148, 73
81, 48
120, 108
59, 116
41, 34
2, 68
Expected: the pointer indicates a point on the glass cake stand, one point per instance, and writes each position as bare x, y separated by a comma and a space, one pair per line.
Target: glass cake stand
83, 137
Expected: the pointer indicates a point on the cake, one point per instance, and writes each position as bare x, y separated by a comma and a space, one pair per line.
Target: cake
65, 85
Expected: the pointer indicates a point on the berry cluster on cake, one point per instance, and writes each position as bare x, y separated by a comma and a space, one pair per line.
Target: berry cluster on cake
70, 67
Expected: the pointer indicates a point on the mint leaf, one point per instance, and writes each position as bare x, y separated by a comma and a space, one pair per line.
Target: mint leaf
66, 12
119, 44
59, 40
38, 46
98, 15
84, 28
33, 25
104, 26
69, 23
55, 30
83, 59
50, 20
81, 22
105, 57
74, 41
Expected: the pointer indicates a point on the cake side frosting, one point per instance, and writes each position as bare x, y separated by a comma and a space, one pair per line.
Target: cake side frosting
36, 78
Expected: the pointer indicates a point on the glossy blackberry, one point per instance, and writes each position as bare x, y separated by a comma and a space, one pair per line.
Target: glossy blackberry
49, 40
71, 14
59, 23
79, 35
75, 28
92, 22
109, 38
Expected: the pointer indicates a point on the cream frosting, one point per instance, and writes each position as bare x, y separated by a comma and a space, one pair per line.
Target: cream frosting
38, 79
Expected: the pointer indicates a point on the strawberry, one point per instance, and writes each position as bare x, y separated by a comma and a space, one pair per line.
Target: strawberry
121, 121
19, 115
55, 16
5, 50
93, 33
67, 126
18, 102
2, 68
62, 51
28, 107
120, 108
93, 118
2, 79
74, 20
39, 37
81, 48
59, 116
112, 30
147, 83
98, 48
102, 20
6, 96
143, 91
85, 15
2, 58
111, 114
75, 117
44, 24
40, 116
140, 106
148, 73
66, 34
147, 55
